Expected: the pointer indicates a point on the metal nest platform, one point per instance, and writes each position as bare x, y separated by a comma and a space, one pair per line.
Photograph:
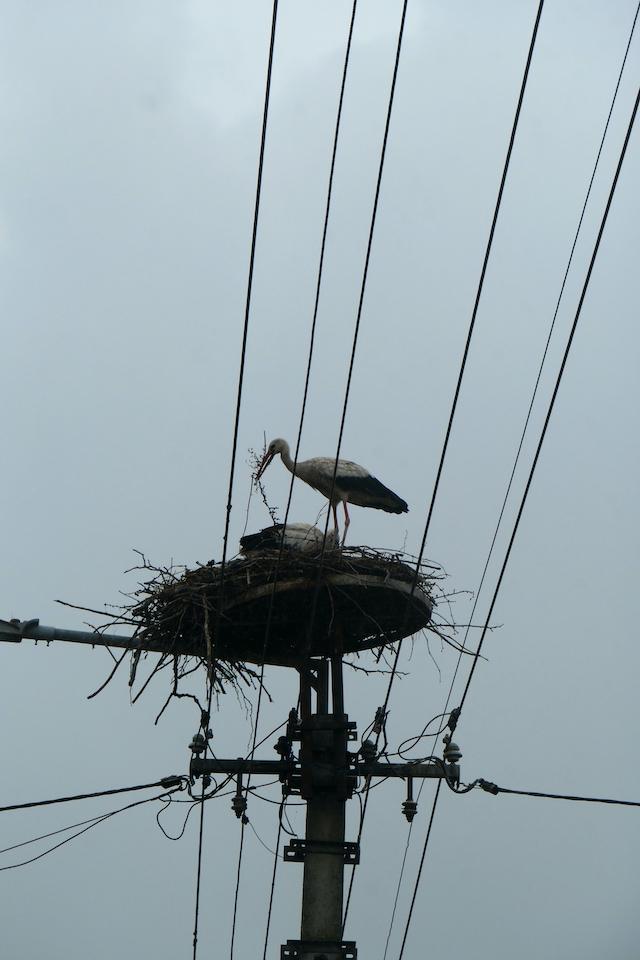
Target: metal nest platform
357, 600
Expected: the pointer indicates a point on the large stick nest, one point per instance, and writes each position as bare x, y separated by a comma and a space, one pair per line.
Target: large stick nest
278, 607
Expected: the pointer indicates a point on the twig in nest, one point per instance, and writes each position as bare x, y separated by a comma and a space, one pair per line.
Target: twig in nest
359, 669
254, 462
110, 677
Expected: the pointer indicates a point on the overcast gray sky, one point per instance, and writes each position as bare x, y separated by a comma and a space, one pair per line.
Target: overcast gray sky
129, 156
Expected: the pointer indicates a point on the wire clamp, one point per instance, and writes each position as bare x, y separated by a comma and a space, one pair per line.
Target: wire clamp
168, 782
380, 720
489, 787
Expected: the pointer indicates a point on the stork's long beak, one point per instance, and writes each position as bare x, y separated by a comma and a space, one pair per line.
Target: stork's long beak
266, 460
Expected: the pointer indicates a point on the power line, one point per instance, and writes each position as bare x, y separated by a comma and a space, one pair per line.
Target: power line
460, 377
167, 782
193, 804
276, 857
296, 454
470, 332
245, 330
482, 277
494, 789
237, 890
555, 393
539, 375
398, 887
201, 831
361, 298
310, 356
254, 234
93, 823
198, 876
356, 331
365, 272
520, 511
422, 859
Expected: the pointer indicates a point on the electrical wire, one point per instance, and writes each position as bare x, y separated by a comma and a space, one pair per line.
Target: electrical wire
194, 803
260, 840
474, 314
493, 788
93, 823
236, 895
310, 354
53, 833
234, 448
422, 859
363, 285
350, 374
543, 361
198, 876
165, 782
245, 330
299, 435
460, 375
398, 886
483, 272
276, 857
554, 395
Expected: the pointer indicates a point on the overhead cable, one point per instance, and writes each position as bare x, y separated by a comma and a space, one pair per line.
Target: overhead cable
166, 782
236, 895
470, 332
365, 272
243, 352
482, 277
198, 876
544, 356
555, 394
245, 330
489, 787
309, 362
422, 859
276, 857
518, 518
505, 170
93, 823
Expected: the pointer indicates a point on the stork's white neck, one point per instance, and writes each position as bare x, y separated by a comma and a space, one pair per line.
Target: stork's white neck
285, 456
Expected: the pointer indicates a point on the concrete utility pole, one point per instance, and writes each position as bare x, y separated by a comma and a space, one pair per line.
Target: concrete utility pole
325, 785
325, 776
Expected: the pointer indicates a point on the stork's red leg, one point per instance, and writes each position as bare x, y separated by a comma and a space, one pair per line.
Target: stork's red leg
335, 520
347, 521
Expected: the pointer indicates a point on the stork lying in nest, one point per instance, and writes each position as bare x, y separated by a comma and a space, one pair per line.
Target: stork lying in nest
293, 536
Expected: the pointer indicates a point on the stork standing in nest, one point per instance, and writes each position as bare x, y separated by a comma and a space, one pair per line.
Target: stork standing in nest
353, 484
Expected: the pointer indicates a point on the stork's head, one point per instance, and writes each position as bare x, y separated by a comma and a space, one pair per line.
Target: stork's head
276, 446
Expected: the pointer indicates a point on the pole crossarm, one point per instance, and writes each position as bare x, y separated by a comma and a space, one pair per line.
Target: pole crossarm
14, 631
359, 768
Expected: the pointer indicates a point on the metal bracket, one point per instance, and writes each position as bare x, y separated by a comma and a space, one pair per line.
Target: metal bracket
328, 721
296, 851
319, 949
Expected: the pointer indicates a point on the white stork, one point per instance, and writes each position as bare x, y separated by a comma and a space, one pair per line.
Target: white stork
353, 484
295, 536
